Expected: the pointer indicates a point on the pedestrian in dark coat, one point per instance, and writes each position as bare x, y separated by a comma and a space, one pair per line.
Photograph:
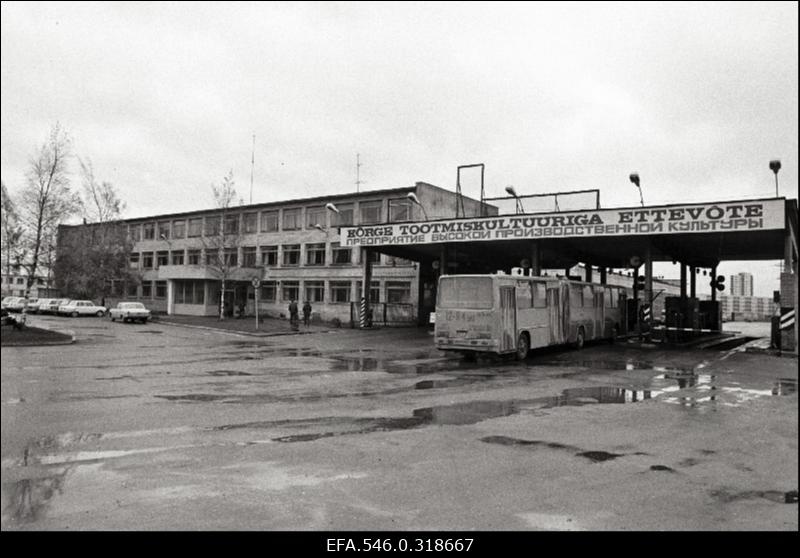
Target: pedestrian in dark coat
306, 313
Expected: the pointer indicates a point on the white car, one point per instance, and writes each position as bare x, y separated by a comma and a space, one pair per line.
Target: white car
53, 306
130, 311
77, 308
13, 303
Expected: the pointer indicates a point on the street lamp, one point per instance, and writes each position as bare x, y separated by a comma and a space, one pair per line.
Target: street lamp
512, 192
635, 179
331, 207
775, 166
414, 199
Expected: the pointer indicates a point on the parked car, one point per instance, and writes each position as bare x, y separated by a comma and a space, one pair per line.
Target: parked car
15, 303
130, 311
35, 305
54, 305
77, 308
7, 300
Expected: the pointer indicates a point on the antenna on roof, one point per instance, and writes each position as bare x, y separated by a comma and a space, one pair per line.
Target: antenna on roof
252, 166
359, 182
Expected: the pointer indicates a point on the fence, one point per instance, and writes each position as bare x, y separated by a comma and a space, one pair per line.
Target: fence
384, 314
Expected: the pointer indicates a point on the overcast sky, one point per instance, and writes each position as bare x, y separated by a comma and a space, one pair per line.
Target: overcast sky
165, 98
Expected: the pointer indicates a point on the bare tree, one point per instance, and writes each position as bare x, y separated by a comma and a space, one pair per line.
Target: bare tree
223, 237
100, 202
91, 256
11, 230
46, 200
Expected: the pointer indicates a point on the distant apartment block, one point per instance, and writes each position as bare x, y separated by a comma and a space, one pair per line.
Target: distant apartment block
742, 284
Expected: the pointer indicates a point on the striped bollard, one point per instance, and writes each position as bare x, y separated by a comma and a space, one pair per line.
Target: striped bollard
362, 313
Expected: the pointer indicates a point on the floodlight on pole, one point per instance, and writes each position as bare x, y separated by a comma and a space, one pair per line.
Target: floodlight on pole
320, 227
331, 207
414, 199
775, 166
512, 192
635, 179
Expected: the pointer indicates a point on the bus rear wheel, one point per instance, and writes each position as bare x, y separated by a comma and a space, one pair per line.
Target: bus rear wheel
580, 339
523, 346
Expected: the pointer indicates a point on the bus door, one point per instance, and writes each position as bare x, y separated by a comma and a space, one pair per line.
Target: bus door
554, 302
599, 313
508, 320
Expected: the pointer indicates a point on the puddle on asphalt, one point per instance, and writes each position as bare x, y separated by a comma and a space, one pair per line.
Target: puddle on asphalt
777, 496
594, 456
27, 499
785, 386
227, 373
149, 331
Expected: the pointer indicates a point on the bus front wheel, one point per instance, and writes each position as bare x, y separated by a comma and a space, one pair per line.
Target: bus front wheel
580, 339
523, 346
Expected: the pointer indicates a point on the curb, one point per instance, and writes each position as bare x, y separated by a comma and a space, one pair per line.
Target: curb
245, 333
69, 332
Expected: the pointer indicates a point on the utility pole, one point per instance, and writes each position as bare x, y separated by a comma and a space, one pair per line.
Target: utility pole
358, 172
252, 166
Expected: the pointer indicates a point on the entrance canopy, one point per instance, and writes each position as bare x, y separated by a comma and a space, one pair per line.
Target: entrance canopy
699, 235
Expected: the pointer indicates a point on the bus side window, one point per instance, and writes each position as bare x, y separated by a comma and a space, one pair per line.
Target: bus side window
524, 298
539, 295
588, 297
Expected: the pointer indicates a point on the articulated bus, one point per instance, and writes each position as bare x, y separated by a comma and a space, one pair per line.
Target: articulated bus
507, 314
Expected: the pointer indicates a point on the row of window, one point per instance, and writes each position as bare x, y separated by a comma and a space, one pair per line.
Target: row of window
274, 220
252, 256
397, 292
193, 291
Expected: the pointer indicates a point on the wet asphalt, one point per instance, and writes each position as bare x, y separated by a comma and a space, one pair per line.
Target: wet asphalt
152, 426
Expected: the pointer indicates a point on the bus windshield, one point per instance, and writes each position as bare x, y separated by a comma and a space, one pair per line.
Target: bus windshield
465, 292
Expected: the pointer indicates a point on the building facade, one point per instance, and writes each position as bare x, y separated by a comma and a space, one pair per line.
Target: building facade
15, 281
291, 248
742, 284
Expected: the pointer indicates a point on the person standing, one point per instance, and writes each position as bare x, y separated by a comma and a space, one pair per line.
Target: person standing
294, 316
307, 313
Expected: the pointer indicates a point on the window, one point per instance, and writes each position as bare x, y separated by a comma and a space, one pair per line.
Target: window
195, 227
147, 289
315, 291
315, 254
340, 291
212, 226
374, 257
178, 229
231, 256
162, 258
163, 230
149, 231
399, 210
147, 260
398, 292
340, 256
188, 292
269, 221
344, 217
177, 257
161, 289
249, 256
394, 261
588, 297
133, 260
291, 254
193, 257
539, 295
269, 256
20, 281
370, 212
135, 232
212, 257
291, 219
315, 216
374, 291
132, 290
231, 224
250, 221
290, 290
268, 291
